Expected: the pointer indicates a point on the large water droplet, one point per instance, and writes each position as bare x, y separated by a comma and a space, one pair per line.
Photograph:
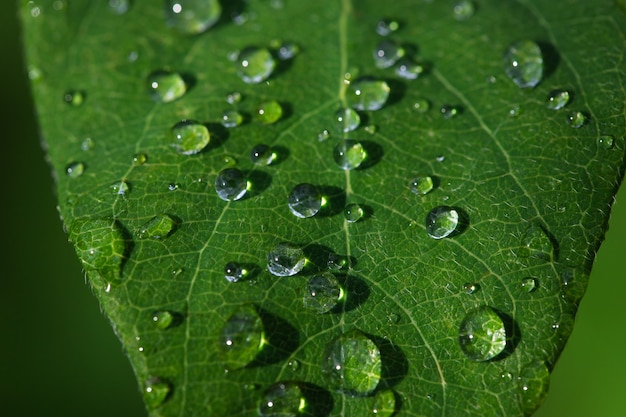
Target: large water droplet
384, 403
101, 246
422, 184
262, 155
386, 27
159, 227
523, 63
231, 119
269, 112
231, 184
189, 137
323, 293
283, 399
242, 337
463, 9
255, 64
368, 94
192, 17
387, 53
352, 364
533, 384
349, 154
166, 86
353, 213
75, 169
348, 119
156, 392
285, 260
557, 99
576, 119
165, 319
305, 200
482, 334
442, 221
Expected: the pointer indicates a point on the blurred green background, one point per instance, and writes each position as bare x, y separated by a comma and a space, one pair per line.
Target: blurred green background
60, 357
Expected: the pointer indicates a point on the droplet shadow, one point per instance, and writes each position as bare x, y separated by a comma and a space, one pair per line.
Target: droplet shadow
374, 154
395, 365
282, 340
551, 58
259, 182
356, 293
335, 200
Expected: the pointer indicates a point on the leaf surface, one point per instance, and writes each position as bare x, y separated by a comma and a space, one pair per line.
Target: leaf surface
533, 195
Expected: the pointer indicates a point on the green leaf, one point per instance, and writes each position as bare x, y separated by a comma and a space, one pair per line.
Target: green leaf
458, 299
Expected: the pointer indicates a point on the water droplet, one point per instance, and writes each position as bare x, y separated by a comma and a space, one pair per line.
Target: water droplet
537, 243
172, 186
371, 129
165, 319
353, 213
530, 284
350, 75
576, 119
158, 227
101, 246
470, 288
234, 272
120, 188
384, 403
283, 399
557, 99
352, 364
140, 158
368, 94
323, 293
515, 111
119, 6
482, 335
255, 64
408, 69
192, 17
177, 272
421, 105
75, 169
166, 86
285, 260
294, 365
606, 141
422, 184
74, 97
323, 135
234, 97
156, 392
34, 73
463, 10
387, 53
287, 50
231, 184
441, 222
189, 137
349, 154
305, 200
533, 384
348, 119
448, 111
336, 262
393, 318
231, 119
87, 144
262, 155
242, 337
385, 27
269, 112
523, 63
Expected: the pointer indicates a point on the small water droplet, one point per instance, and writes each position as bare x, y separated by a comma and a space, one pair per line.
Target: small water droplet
576, 119
408, 69
442, 221
387, 53
530, 284
285, 260
323, 135
231, 119
255, 65
323, 293
75, 169
192, 17
172, 186
515, 111
557, 99
533, 384
119, 6
158, 227
463, 9
449, 111
368, 94
269, 112
87, 144
393, 318
349, 154
294, 365
470, 288
336, 262
120, 188
262, 155
189, 137
482, 334
536, 243
606, 141
422, 184
305, 200
385, 27
75, 97
287, 50
523, 63
352, 364
156, 392
384, 403
234, 97
34, 73
283, 399
421, 105
353, 213
350, 75
242, 337
348, 119
177, 271
166, 86
231, 184
140, 158
234, 272
371, 129
165, 319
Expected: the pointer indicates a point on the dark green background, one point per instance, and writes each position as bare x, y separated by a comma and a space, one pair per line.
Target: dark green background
61, 358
